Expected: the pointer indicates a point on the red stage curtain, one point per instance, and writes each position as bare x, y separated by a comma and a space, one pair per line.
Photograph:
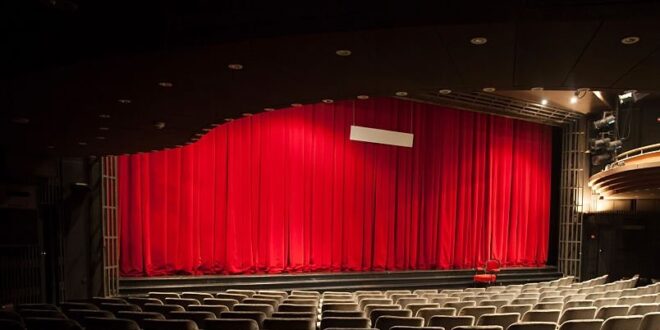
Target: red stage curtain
287, 191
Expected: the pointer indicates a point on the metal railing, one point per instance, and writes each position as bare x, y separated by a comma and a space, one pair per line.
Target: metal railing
621, 158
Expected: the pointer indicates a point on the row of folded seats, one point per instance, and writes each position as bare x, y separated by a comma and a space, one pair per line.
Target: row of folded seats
590, 305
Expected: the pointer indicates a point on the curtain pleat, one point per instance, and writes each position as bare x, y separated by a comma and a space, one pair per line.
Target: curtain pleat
287, 191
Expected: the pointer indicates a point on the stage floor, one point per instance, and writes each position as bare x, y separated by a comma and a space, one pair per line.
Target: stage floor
345, 281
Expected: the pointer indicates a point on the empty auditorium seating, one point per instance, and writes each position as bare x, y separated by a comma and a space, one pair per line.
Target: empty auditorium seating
169, 325
98, 323
231, 324
450, 322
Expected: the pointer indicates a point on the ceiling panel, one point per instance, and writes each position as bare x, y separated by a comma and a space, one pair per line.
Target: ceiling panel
606, 59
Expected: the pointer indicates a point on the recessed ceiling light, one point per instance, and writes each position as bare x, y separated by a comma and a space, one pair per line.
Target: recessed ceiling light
630, 40
269, 109
544, 101
124, 101
159, 124
206, 129
247, 114
100, 137
165, 84
363, 97
51, 147
343, 52
327, 101
235, 66
194, 139
537, 89
401, 93
296, 105
574, 99
488, 89
104, 128
21, 120
229, 119
198, 134
215, 125
478, 41
444, 91
104, 116
82, 143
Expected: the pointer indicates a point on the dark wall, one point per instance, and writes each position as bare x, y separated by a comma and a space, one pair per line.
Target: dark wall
50, 239
621, 245
639, 123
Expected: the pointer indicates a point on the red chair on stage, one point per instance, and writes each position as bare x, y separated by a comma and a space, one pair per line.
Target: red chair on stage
490, 270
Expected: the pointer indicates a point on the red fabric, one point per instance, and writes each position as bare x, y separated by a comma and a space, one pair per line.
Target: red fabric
287, 191
485, 278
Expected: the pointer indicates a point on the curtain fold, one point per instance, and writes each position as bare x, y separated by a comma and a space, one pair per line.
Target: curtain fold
287, 191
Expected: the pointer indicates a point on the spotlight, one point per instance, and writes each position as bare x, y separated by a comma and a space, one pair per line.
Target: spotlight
544, 101
599, 144
605, 122
615, 145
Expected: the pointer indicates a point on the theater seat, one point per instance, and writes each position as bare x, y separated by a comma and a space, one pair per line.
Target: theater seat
622, 323
378, 313
581, 325
162, 309
46, 313
231, 324
197, 317
450, 322
97, 323
65, 306
428, 313
258, 317
216, 310
139, 317
81, 315
6, 324
169, 325
229, 303
45, 323
488, 273
289, 324
344, 322
533, 326
650, 321
387, 322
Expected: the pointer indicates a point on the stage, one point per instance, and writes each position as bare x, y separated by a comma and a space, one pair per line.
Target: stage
331, 281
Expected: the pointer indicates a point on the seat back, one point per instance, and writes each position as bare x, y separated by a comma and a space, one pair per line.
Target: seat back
450, 322
65, 306
231, 324
199, 296
428, 313
533, 326
343, 314
139, 317
229, 303
114, 307
98, 323
215, 309
289, 324
184, 302
386, 322
296, 308
377, 313
47, 323
162, 295
344, 322
460, 305
339, 307
642, 309
577, 313
414, 308
546, 306
244, 292
622, 323
197, 317
81, 315
542, 316
650, 321
141, 301
502, 319
477, 311
374, 301
234, 296
43, 313
169, 325
581, 325
404, 302
162, 309
263, 308
520, 309
10, 315
7, 324
258, 317
494, 302
606, 312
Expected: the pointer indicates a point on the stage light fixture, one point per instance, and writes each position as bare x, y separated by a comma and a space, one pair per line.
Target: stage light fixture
615, 145
245, 114
600, 159
159, 125
605, 122
599, 144
444, 91
229, 119
82, 143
